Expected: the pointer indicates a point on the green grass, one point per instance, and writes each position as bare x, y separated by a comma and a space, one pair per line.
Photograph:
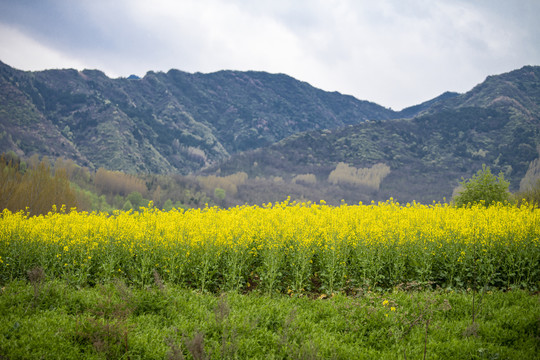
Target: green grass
54, 320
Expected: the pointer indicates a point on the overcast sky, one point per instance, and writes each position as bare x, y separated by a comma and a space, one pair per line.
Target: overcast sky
396, 53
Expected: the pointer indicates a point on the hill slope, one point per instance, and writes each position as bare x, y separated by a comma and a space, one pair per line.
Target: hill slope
496, 123
164, 122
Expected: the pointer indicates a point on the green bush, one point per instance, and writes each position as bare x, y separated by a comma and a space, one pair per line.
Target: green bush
483, 187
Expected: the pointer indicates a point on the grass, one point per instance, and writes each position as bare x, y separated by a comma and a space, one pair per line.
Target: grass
51, 319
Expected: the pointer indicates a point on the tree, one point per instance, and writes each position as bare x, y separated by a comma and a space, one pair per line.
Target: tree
136, 200
127, 206
219, 194
168, 206
531, 194
483, 187
36, 189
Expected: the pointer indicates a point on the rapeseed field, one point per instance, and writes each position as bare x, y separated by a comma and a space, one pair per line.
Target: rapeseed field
286, 247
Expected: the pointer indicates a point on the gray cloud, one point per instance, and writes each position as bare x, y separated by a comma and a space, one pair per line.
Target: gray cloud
396, 53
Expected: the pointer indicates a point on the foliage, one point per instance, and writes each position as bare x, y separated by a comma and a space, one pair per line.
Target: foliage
168, 206
483, 187
228, 183
127, 206
219, 194
35, 190
370, 177
136, 200
106, 190
306, 179
166, 321
530, 195
116, 182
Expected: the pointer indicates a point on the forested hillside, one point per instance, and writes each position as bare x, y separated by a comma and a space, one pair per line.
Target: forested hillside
172, 122
423, 158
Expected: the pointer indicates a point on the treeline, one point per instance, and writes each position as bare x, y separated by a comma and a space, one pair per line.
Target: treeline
36, 185
370, 177
64, 182
33, 186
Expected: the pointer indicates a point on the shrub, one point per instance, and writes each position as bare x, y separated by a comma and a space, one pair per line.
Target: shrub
483, 187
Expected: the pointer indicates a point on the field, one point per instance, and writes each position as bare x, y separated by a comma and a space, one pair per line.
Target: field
285, 280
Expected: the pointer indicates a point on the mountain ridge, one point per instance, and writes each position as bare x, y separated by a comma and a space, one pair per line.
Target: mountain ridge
177, 121
284, 133
496, 123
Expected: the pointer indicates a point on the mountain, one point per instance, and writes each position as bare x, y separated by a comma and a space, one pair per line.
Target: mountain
287, 136
172, 122
419, 158
413, 111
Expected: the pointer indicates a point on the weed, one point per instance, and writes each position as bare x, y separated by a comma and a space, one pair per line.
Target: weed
116, 321
222, 309
421, 316
287, 332
229, 345
195, 346
175, 352
159, 282
107, 330
471, 330
36, 276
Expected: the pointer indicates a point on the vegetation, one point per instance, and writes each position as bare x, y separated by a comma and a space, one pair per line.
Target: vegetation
284, 247
270, 127
33, 187
530, 194
370, 177
44, 318
171, 122
483, 187
426, 156
284, 280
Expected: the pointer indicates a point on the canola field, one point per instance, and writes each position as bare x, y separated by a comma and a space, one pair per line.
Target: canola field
287, 247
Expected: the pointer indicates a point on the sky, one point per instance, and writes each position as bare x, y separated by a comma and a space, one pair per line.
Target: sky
396, 53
